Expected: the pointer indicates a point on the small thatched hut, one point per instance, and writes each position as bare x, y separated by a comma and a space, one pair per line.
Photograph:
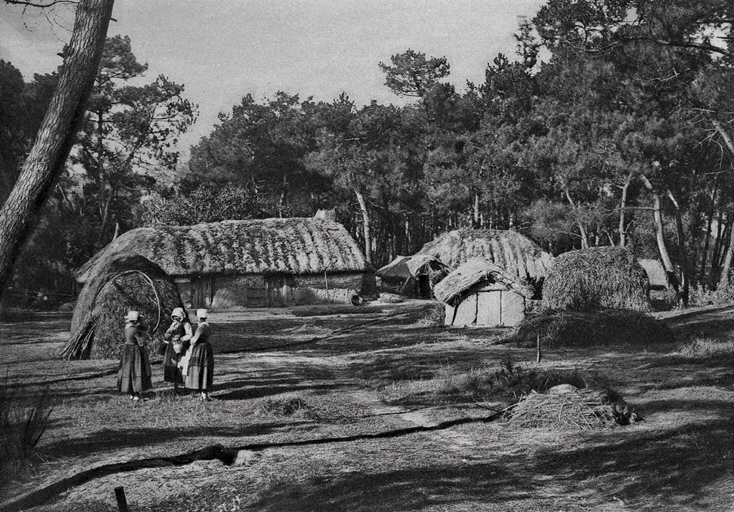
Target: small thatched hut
252, 263
513, 252
481, 293
121, 284
412, 276
597, 278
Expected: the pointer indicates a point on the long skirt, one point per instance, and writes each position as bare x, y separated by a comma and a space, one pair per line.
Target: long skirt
171, 371
134, 374
200, 373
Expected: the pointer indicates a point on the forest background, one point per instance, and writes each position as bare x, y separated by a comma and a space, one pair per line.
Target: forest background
612, 125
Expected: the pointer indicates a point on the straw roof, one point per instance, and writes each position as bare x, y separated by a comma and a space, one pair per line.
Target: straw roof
266, 246
597, 278
475, 271
122, 284
403, 267
512, 251
655, 273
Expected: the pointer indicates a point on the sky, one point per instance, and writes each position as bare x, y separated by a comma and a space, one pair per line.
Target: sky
223, 49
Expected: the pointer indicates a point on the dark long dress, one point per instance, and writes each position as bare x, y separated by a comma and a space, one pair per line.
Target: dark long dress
134, 374
171, 371
200, 374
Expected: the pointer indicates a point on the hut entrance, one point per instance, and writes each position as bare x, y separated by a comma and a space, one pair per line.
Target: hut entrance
424, 287
201, 292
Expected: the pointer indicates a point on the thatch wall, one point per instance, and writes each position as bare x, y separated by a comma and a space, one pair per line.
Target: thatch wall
510, 250
597, 278
268, 246
124, 283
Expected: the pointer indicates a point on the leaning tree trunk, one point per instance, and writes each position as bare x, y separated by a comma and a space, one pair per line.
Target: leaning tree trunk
366, 224
55, 137
659, 233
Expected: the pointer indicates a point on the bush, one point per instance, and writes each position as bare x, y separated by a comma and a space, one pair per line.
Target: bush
22, 424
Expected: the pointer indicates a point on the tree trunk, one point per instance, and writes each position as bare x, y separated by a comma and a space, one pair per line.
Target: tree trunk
724, 135
659, 233
582, 229
476, 224
623, 205
366, 224
57, 133
707, 239
685, 271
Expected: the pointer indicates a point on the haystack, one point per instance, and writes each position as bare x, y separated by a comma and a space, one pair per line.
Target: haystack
124, 283
515, 253
597, 278
568, 408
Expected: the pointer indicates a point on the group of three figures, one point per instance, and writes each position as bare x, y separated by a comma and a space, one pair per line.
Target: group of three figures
188, 358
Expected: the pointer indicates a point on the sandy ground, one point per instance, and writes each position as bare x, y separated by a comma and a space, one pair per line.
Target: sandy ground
346, 446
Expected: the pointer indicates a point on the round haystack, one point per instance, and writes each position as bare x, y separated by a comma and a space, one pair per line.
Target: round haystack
597, 278
125, 283
572, 409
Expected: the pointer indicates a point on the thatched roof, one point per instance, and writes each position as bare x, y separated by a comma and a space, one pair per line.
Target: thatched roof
404, 267
473, 272
266, 246
655, 273
597, 278
121, 284
510, 250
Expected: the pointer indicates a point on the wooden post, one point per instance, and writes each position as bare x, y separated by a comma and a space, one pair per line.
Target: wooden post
537, 345
121, 501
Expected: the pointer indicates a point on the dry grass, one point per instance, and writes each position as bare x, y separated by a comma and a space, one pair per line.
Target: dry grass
486, 383
586, 329
699, 348
23, 421
597, 278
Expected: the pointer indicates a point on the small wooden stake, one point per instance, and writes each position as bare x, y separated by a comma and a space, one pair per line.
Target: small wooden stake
121, 500
538, 354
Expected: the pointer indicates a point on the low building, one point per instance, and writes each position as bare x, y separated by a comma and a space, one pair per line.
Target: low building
412, 276
482, 293
251, 263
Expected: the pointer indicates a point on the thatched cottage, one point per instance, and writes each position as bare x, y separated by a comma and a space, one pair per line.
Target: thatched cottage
513, 252
481, 293
597, 278
412, 276
251, 263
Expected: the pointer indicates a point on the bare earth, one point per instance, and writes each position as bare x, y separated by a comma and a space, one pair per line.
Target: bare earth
346, 442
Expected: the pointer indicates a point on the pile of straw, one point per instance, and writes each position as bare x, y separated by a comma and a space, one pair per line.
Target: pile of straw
597, 278
577, 410
125, 283
587, 329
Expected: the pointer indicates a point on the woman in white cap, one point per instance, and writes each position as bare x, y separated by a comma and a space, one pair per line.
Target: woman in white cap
176, 340
134, 373
200, 370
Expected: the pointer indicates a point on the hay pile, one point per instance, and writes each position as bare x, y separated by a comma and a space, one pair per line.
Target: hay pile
586, 329
597, 278
568, 408
125, 283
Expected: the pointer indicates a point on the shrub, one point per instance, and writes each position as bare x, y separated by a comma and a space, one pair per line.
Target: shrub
22, 424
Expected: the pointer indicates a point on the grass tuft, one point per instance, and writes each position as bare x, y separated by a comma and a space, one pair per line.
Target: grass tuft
700, 348
22, 424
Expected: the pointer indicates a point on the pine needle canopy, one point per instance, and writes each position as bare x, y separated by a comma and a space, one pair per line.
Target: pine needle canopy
597, 278
123, 284
265, 246
513, 252
473, 272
